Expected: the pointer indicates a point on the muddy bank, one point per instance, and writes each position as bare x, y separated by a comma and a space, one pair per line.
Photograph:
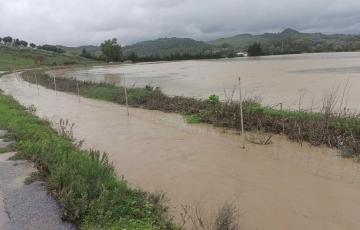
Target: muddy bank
278, 186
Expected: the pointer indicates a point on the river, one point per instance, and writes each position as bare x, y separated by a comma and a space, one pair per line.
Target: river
296, 81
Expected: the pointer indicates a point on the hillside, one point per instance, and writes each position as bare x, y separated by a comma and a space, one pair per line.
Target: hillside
167, 46
286, 42
93, 50
20, 57
292, 41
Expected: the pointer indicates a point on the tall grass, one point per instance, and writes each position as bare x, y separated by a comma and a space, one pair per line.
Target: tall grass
83, 182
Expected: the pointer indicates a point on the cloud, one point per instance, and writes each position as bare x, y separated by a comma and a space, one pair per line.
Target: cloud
76, 22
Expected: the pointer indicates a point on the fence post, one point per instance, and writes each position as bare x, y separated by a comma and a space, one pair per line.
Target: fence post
37, 84
241, 115
55, 85
78, 90
126, 97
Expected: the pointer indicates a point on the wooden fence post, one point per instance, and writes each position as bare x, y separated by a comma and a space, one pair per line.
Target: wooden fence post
126, 97
55, 85
78, 90
37, 84
241, 115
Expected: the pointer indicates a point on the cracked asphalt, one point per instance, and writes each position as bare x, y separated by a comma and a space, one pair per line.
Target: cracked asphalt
25, 207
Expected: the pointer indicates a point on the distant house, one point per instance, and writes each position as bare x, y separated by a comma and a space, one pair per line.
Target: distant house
241, 54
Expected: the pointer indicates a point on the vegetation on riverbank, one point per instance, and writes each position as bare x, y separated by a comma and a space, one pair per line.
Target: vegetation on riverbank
83, 182
339, 130
12, 58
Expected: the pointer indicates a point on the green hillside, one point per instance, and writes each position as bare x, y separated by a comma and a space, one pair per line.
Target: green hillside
93, 50
286, 42
20, 58
292, 41
167, 46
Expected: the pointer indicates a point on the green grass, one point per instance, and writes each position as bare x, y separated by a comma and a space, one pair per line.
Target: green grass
83, 182
13, 58
192, 118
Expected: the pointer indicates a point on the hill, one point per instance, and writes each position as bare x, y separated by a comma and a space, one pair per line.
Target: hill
167, 46
21, 57
93, 50
292, 41
286, 42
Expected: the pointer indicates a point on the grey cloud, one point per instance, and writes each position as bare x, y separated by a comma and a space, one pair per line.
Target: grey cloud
76, 22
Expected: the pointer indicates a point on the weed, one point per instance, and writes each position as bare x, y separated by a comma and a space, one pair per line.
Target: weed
226, 218
192, 118
214, 99
259, 137
34, 176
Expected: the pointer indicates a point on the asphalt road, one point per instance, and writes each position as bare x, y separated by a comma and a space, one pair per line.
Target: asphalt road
26, 207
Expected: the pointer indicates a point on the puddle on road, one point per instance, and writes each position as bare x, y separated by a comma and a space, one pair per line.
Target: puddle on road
278, 186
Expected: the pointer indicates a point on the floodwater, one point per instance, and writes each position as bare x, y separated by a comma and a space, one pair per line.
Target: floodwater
293, 80
279, 186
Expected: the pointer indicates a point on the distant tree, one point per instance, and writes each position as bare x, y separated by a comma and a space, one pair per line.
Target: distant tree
255, 49
32, 45
23, 43
7, 40
132, 56
86, 54
83, 52
16, 42
111, 50
51, 48
0, 40
226, 46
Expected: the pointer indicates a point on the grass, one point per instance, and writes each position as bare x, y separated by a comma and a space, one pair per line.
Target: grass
83, 182
192, 118
12, 58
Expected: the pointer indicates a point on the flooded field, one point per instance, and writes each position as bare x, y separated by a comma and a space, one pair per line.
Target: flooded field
279, 186
294, 80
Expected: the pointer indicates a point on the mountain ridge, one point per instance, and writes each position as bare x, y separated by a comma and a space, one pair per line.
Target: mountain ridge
286, 41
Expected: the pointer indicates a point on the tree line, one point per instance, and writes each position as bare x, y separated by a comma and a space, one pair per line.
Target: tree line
9, 41
15, 42
112, 52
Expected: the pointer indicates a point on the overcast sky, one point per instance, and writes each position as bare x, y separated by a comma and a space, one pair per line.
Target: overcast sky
78, 22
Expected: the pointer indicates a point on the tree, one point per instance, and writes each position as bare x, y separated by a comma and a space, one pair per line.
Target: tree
16, 42
132, 56
111, 50
255, 49
32, 45
7, 40
23, 43
51, 48
83, 52
86, 54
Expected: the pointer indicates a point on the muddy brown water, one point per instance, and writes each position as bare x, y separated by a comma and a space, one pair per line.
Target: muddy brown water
279, 186
294, 80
